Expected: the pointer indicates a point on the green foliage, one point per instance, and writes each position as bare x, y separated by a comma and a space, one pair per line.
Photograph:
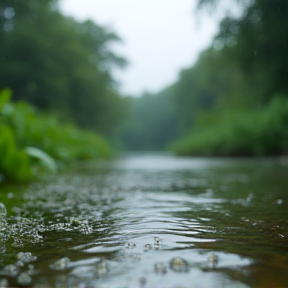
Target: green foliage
43, 157
239, 133
257, 43
59, 64
31, 141
14, 163
227, 103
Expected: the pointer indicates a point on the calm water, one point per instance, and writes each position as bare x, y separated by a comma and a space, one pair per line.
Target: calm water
149, 221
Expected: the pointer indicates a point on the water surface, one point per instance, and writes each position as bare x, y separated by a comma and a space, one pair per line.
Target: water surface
150, 221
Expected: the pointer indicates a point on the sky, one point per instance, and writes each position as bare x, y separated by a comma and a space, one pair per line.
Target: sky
160, 37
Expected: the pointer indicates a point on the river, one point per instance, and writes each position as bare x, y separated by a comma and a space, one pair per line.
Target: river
149, 220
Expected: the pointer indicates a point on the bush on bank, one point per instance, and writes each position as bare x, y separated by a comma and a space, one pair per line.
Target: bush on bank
30, 141
260, 132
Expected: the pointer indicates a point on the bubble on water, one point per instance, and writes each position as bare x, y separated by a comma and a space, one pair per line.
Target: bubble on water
17, 243
157, 240
4, 283
179, 264
26, 257
11, 270
60, 264
3, 214
212, 260
74, 221
102, 268
24, 279
131, 245
19, 264
3, 211
160, 268
148, 246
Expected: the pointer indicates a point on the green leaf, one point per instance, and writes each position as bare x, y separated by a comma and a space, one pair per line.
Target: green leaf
43, 157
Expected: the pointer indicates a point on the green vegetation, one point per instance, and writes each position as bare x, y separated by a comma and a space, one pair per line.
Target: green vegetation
59, 70
56, 63
31, 141
228, 103
239, 133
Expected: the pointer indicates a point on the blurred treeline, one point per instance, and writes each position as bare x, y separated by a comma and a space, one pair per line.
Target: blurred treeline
233, 101
59, 64
59, 72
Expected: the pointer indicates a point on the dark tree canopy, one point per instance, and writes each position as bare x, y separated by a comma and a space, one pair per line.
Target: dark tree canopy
55, 62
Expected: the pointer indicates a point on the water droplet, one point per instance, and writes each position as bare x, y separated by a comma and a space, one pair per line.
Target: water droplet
131, 245
212, 259
148, 246
102, 268
11, 270
60, 264
160, 268
179, 264
24, 279
157, 240
26, 257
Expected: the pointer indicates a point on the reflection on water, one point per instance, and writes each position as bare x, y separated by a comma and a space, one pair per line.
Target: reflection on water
150, 220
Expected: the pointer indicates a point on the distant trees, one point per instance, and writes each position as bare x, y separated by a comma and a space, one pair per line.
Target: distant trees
57, 63
257, 43
151, 122
228, 102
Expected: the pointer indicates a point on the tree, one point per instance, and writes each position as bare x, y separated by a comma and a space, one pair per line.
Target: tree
257, 43
55, 62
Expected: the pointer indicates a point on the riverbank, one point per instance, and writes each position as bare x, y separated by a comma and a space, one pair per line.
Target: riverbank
32, 142
253, 132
